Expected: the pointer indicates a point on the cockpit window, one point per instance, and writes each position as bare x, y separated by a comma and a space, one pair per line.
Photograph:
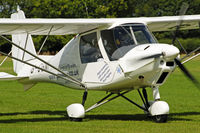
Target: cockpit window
121, 39
89, 49
142, 35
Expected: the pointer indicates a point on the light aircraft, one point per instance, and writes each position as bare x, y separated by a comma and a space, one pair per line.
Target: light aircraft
115, 55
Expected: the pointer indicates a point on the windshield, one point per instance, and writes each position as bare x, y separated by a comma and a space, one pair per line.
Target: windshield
121, 39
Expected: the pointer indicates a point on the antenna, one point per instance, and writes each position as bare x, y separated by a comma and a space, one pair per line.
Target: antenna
86, 9
18, 8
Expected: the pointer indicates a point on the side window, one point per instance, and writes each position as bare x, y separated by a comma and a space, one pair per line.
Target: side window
108, 42
89, 49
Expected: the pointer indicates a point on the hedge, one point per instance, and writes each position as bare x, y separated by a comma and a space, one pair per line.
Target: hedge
189, 44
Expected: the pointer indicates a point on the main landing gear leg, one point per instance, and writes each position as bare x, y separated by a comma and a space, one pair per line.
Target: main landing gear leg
159, 110
146, 97
76, 111
84, 97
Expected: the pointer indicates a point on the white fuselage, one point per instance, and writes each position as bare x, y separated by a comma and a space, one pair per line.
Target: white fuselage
129, 71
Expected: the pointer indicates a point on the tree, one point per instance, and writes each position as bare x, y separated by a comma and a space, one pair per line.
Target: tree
94, 9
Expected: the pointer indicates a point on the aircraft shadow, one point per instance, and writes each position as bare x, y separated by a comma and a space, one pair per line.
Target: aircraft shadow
140, 117
59, 116
62, 116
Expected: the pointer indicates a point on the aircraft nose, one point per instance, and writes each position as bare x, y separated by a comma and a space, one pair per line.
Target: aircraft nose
170, 51
142, 55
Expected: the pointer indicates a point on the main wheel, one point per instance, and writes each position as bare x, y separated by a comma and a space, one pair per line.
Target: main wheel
76, 119
160, 118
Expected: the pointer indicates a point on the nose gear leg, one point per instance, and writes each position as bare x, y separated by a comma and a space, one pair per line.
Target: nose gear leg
159, 110
156, 93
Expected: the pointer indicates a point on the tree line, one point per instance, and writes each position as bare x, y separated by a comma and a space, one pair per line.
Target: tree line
99, 9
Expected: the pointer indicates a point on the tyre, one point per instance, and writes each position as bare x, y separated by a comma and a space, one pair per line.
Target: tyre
160, 118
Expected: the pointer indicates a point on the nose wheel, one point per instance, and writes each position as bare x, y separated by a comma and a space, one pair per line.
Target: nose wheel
158, 110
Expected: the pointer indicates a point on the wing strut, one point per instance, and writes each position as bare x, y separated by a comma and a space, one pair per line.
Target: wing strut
68, 76
38, 67
5, 58
194, 56
45, 40
25, 46
191, 54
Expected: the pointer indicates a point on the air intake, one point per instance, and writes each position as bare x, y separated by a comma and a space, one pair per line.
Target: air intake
170, 63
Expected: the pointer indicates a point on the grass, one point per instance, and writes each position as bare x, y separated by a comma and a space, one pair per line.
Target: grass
42, 108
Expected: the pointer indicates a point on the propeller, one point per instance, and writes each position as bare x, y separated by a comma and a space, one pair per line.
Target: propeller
183, 10
186, 72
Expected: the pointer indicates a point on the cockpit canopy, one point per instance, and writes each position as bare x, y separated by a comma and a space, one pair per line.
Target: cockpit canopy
121, 39
116, 41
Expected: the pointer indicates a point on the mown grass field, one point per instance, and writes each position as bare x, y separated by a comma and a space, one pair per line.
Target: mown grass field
42, 108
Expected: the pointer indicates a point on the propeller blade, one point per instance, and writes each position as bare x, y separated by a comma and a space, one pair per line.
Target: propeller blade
152, 56
186, 72
182, 11
184, 8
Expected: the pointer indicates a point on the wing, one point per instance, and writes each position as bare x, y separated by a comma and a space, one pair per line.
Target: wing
43, 26
19, 25
169, 23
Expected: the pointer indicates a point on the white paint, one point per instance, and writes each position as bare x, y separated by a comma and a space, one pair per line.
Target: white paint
76, 110
156, 94
159, 108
